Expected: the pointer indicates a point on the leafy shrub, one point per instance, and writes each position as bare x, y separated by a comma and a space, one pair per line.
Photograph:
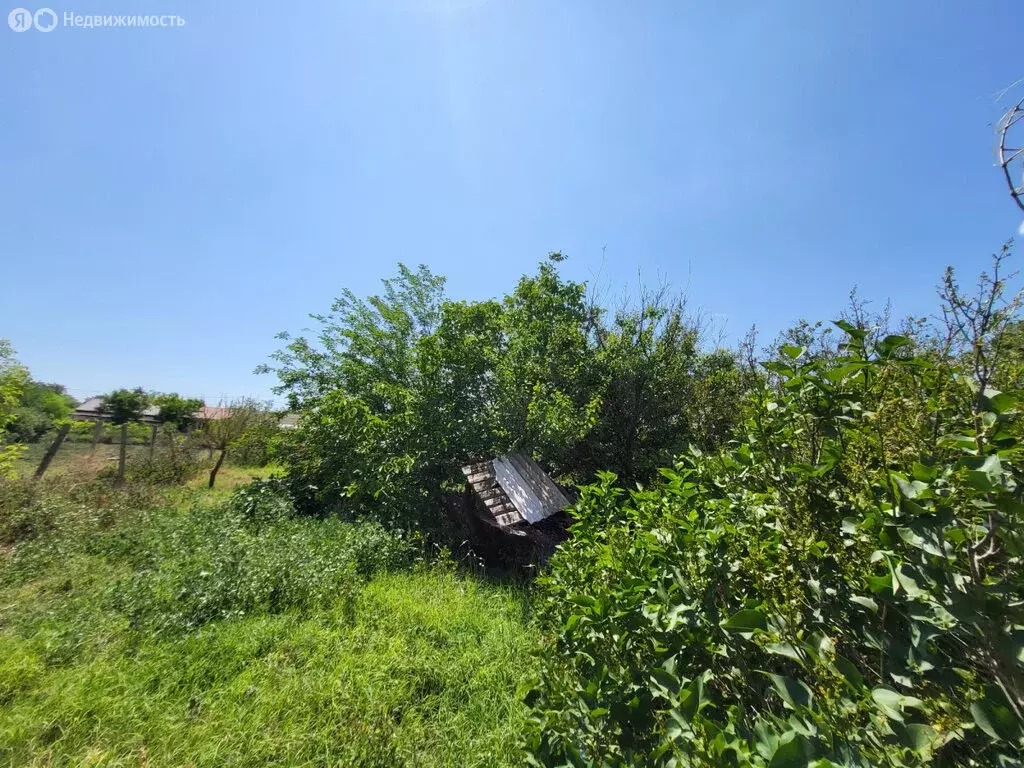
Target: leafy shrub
18, 517
165, 468
257, 444
84, 431
263, 500
842, 588
400, 390
214, 564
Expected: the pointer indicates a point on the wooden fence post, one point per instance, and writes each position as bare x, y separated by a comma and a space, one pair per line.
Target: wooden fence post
121, 457
152, 442
97, 433
58, 441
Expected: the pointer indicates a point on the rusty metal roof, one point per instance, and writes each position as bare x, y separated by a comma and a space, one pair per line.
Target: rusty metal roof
212, 413
514, 489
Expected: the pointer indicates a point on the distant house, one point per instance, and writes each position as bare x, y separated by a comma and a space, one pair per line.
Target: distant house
92, 410
212, 413
217, 413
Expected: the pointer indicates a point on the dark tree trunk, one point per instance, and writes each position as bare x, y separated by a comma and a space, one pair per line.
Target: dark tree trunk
122, 454
216, 467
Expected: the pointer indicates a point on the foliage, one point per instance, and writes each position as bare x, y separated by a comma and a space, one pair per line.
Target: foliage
125, 405
841, 587
176, 410
244, 416
399, 390
257, 445
140, 631
224, 567
41, 408
163, 468
13, 378
84, 432
263, 500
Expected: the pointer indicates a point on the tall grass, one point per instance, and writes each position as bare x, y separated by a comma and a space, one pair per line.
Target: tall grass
159, 629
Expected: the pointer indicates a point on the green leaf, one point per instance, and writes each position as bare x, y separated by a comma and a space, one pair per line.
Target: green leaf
921, 738
880, 583
923, 472
691, 698
893, 702
995, 719
791, 752
1000, 402
793, 352
867, 602
746, 620
984, 474
850, 672
926, 541
793, 692
887, 346
851, 330
784, 649
912, 489
965, 443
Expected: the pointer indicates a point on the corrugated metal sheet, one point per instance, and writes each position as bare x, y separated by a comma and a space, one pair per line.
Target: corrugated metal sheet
529, 487
514, 489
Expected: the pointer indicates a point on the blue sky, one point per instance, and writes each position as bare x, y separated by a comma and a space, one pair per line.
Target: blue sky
170, 198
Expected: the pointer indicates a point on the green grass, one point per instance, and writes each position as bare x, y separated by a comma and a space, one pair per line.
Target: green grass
335, 652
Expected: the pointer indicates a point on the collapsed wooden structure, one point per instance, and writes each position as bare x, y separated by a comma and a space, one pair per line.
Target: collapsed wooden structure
512, 509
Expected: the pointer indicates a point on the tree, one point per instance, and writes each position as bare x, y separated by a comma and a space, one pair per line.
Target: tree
242, 415
123, 406
176, 411
400, 390
13, 378
40, 408
840, 586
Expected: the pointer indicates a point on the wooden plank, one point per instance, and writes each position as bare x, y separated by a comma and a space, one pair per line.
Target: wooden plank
490, 493
510, 518
501, 508
477, 477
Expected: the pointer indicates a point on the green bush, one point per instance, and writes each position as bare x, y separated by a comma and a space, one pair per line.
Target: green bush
84, 431
216, 564
165, 468
398, 391
843, 587
20, 519
264, 500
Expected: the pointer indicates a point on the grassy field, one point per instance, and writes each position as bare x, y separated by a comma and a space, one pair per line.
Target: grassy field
147, 627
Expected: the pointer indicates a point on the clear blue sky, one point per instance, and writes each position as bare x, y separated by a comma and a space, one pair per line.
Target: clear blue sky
171, 198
